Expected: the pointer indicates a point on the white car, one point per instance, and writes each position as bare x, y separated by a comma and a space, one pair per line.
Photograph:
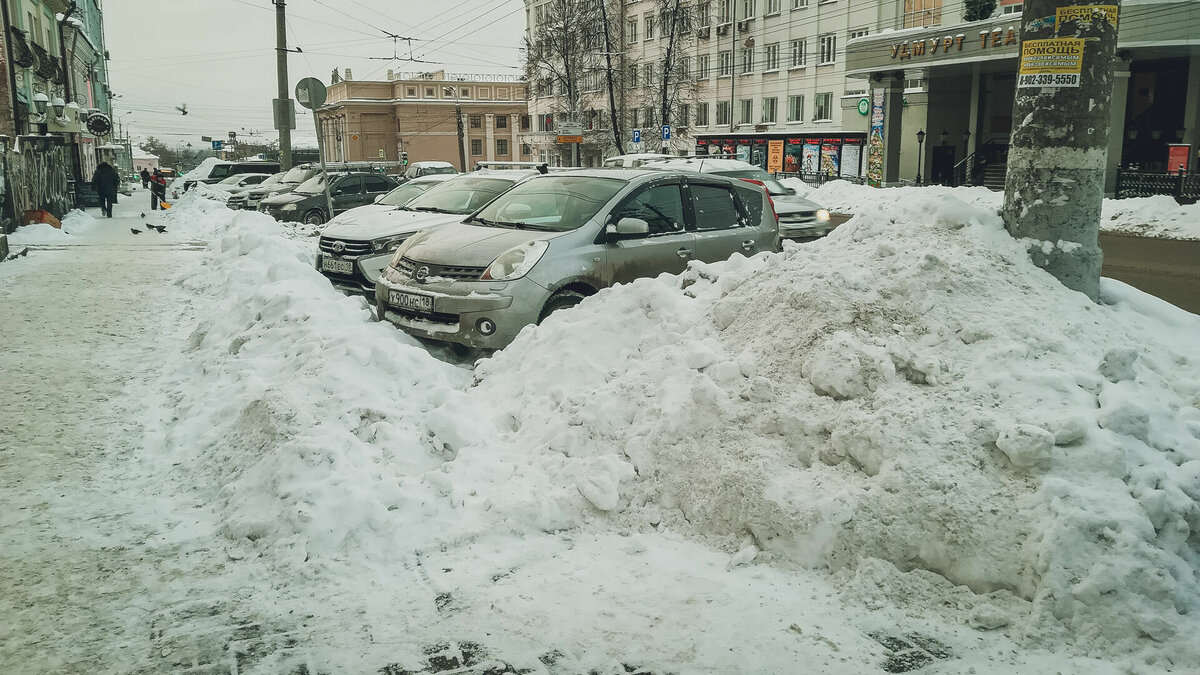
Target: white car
634, 160
354, 251
798, 217
240, 181
428, 168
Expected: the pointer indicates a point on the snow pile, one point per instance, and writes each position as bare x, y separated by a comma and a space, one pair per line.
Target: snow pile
201, 171
908, 402
1158, 216
74, 224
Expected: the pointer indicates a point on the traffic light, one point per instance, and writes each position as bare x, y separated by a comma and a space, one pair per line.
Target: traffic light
403, 157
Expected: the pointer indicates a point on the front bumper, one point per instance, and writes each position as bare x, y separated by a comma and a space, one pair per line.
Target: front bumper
800, 228
364, 270
459, 307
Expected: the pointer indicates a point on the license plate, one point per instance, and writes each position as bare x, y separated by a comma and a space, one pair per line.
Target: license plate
337, 266
410, 301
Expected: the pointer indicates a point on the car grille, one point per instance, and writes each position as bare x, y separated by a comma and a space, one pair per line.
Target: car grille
408, 266
351, 248
235, 202
797, 217
436, 317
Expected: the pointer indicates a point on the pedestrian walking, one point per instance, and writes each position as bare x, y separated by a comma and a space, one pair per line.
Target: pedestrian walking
145, 178
158, 189
106, 181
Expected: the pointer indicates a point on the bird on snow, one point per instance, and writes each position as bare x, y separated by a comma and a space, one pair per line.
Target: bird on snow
135, 231
182, 108
143, 215
159, 228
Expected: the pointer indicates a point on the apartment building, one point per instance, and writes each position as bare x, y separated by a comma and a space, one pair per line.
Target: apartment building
417, 113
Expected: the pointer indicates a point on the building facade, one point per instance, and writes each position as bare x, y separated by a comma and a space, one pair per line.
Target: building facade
420, 114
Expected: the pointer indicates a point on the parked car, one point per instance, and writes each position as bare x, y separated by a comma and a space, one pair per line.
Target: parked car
399, 196
356, 246
634, 160
222, 170
307, 202
428, 168
239, 181
554, 239
303, 172
798, 217
237, 200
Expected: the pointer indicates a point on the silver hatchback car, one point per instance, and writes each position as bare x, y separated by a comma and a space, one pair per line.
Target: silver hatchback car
554, 239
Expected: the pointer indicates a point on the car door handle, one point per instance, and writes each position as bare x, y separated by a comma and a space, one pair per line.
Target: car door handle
748, 245
684, 253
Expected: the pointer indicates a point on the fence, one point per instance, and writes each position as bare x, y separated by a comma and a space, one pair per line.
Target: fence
819, 179
36, 176
1184, 187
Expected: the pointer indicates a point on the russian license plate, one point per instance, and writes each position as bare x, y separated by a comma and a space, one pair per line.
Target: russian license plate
337, 266
410, 301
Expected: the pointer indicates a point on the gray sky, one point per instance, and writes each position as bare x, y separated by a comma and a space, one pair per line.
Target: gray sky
218, 56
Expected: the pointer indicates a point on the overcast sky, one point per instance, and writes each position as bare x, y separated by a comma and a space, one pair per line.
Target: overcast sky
218, 56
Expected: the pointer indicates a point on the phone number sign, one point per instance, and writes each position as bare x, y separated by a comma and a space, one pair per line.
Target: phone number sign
1054, 62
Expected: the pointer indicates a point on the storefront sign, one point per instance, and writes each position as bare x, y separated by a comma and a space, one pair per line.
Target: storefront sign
1055, 62
875, 142
1177, 157
775, 156
864, 106
1085, 14
945, 44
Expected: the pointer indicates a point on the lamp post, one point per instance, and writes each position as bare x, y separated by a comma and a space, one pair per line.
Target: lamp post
920, 153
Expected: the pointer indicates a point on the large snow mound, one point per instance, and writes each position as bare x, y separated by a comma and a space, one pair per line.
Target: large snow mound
910, 389
1158, 216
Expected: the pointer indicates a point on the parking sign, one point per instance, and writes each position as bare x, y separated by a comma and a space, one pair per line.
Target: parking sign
637, 135
666, 132
217, 145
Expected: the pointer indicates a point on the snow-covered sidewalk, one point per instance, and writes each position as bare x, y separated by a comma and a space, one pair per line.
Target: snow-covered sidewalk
869, 454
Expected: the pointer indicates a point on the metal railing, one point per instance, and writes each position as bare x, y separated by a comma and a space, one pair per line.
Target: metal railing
1183, 186
971, 169
817, 179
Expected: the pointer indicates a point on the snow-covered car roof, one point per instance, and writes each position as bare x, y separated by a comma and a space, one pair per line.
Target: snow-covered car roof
432, 162
704, 165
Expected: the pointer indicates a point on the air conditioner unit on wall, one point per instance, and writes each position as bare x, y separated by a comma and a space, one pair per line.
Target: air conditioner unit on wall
744, 24
703, 33
723, 29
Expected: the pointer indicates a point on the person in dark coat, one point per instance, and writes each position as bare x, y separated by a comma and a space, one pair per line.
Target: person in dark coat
158, 189
145, 178
105, 182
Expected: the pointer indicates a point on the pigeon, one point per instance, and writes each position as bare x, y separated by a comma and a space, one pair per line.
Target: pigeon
159, 228
143, 215
135, 231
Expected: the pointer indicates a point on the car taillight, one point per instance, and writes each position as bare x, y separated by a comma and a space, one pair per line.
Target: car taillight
769, 200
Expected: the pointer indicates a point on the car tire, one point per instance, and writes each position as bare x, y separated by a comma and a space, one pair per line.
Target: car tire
560, 300
314, 217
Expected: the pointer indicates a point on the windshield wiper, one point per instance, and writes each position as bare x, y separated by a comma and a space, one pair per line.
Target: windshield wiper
433, 209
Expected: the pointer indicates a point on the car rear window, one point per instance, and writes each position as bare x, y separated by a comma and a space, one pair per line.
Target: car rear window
715, 207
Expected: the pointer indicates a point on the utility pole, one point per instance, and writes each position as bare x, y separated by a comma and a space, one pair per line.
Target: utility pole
1059, 152
281, 52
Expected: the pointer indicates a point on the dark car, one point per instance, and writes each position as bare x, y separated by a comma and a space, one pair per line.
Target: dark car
307, 203
222, 170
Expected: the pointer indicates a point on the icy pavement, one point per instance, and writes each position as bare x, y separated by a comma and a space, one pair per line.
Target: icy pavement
213, 462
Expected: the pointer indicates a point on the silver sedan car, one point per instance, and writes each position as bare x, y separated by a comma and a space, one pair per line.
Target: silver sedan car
555, 239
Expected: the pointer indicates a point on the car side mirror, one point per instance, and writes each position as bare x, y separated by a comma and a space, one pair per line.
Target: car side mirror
378, 198
628, 226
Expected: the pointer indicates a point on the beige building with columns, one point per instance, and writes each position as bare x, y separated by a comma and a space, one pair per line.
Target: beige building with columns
415, 113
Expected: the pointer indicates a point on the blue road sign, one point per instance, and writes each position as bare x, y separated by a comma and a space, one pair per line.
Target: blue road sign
637, 135
217, 145
666, 132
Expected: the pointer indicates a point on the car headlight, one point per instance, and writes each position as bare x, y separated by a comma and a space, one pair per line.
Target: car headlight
822, 215
288, 207
403, 248
387, 244
515, 262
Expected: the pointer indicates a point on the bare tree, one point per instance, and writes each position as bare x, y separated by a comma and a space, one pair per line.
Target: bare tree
610, 84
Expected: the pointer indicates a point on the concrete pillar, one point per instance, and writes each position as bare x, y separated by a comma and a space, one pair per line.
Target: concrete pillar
489, 130
973, 121
1116, 125
893, 128
1191, 111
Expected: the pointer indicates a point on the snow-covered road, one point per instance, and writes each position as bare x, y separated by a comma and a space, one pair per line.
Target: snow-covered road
213, 462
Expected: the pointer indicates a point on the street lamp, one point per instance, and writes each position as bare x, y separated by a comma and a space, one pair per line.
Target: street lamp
40, 102
920, 153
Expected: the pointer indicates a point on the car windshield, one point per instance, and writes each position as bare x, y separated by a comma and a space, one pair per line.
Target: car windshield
296, 174
774, 187
272, 179
231, 180
404, 194
431, 170
459, 195
554, 203
313, 185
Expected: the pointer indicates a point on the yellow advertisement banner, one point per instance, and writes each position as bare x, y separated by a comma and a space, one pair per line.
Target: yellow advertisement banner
1054, 62
774, 156
1083, 14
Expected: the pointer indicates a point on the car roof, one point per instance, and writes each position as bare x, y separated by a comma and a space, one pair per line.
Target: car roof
637, 155
433, 178
431, 162
514, 174
705, 165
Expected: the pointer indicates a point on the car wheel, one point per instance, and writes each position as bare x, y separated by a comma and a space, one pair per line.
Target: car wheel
314, 217
560, 300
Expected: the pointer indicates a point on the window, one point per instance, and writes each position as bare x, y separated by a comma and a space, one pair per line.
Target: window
748, 60
476, 121
464, 92
703, 13
922, 13
799, 53
715, 207
661, 207
796, 108
772, 7
546, 122
799, 4
411, 92
724, 11
631, 31
861, 32
373, 184
683, 115
685, 68
351, 185
502, 147
828, 48
648, 72
476, 147
701, 114
823, 110
723, 112
769, 109
635, 118
726, 62
526, 150
650, 117
746, 116
747, 8
771, 57
525, 122
1013, 9
501, 121
428, 92
702, 67
648, 23
633, 75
